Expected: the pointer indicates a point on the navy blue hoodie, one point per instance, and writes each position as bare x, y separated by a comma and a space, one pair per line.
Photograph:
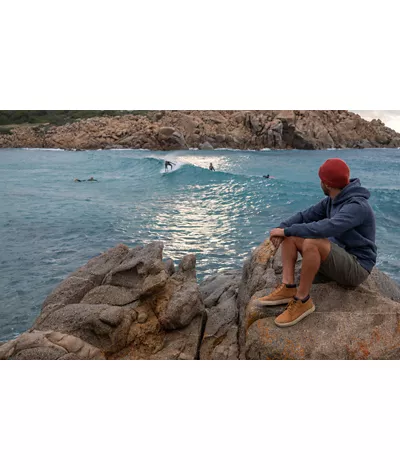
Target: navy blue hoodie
347, 220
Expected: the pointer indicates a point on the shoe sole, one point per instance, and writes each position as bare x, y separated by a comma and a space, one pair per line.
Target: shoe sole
301, 317
265, 303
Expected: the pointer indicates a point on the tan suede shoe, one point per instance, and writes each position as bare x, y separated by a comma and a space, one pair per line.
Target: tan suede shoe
280, 296
295, 312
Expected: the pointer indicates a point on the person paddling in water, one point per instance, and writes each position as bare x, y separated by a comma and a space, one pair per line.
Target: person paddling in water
167, 164
266, 176
211, 167
81, 181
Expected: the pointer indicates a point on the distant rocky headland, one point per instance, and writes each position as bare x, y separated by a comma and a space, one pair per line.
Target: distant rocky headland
176, 130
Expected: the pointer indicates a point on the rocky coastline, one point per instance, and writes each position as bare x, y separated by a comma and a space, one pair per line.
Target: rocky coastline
134, 304
207, 130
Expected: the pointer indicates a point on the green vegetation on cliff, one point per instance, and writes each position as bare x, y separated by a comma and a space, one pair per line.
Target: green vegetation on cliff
57, 118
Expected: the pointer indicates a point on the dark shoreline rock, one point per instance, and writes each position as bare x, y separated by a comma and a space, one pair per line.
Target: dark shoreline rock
175, 130
132, 304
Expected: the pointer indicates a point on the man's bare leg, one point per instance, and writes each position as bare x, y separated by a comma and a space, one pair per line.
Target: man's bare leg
290, 247
314, 251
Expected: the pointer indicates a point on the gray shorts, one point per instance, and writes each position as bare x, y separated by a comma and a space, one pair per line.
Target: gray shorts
342, 267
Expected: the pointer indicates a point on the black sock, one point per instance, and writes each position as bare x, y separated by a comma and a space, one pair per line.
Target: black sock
303, 300
290, 286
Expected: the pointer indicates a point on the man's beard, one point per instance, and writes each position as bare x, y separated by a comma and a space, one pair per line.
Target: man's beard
325, 189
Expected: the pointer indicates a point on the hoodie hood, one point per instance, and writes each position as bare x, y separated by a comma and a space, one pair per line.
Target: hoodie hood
353, 189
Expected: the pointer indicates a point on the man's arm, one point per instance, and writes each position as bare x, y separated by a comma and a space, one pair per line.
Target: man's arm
312, 214
350, 216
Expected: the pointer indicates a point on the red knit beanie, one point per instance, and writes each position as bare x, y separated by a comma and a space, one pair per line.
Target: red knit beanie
335, 173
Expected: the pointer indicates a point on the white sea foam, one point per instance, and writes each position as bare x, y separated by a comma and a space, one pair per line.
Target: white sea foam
123, 150
236, 150
53, 150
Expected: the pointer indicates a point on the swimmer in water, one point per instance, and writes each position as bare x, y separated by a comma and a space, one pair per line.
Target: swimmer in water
211, 167
167, 164
266, 176
76, 180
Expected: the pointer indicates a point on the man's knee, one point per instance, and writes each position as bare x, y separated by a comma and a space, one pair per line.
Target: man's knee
322, 245
293, 241
310, 244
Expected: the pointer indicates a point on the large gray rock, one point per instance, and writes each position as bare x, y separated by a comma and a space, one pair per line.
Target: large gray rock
181, 344
214, 286
257, 274
103, 326
206, 146
349, 323
48, 345
130, 300
150, 341
181, 301
169, 266
383, 284
184, 304
272, 134
220, 339
111, 295
78, 284
186, 269
141, 269
171, 139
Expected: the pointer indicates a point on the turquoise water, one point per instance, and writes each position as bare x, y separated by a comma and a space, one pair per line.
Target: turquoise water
50, 225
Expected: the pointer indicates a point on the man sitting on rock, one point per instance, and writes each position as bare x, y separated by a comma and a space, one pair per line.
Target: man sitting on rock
336, 239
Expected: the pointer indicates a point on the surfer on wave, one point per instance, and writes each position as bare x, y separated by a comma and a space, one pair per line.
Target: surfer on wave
167, 164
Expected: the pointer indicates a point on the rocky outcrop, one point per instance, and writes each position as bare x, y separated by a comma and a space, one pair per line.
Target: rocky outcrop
125, 303
171, 139
132, 304
206, 146
349, 323
173, 130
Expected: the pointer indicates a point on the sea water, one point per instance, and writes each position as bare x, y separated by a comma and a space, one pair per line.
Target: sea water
51, 225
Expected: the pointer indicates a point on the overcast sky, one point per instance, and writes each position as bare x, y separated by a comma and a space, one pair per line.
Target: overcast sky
390, 118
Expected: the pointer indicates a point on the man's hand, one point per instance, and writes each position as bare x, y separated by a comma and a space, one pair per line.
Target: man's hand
276, 241
276, 236
277, 232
